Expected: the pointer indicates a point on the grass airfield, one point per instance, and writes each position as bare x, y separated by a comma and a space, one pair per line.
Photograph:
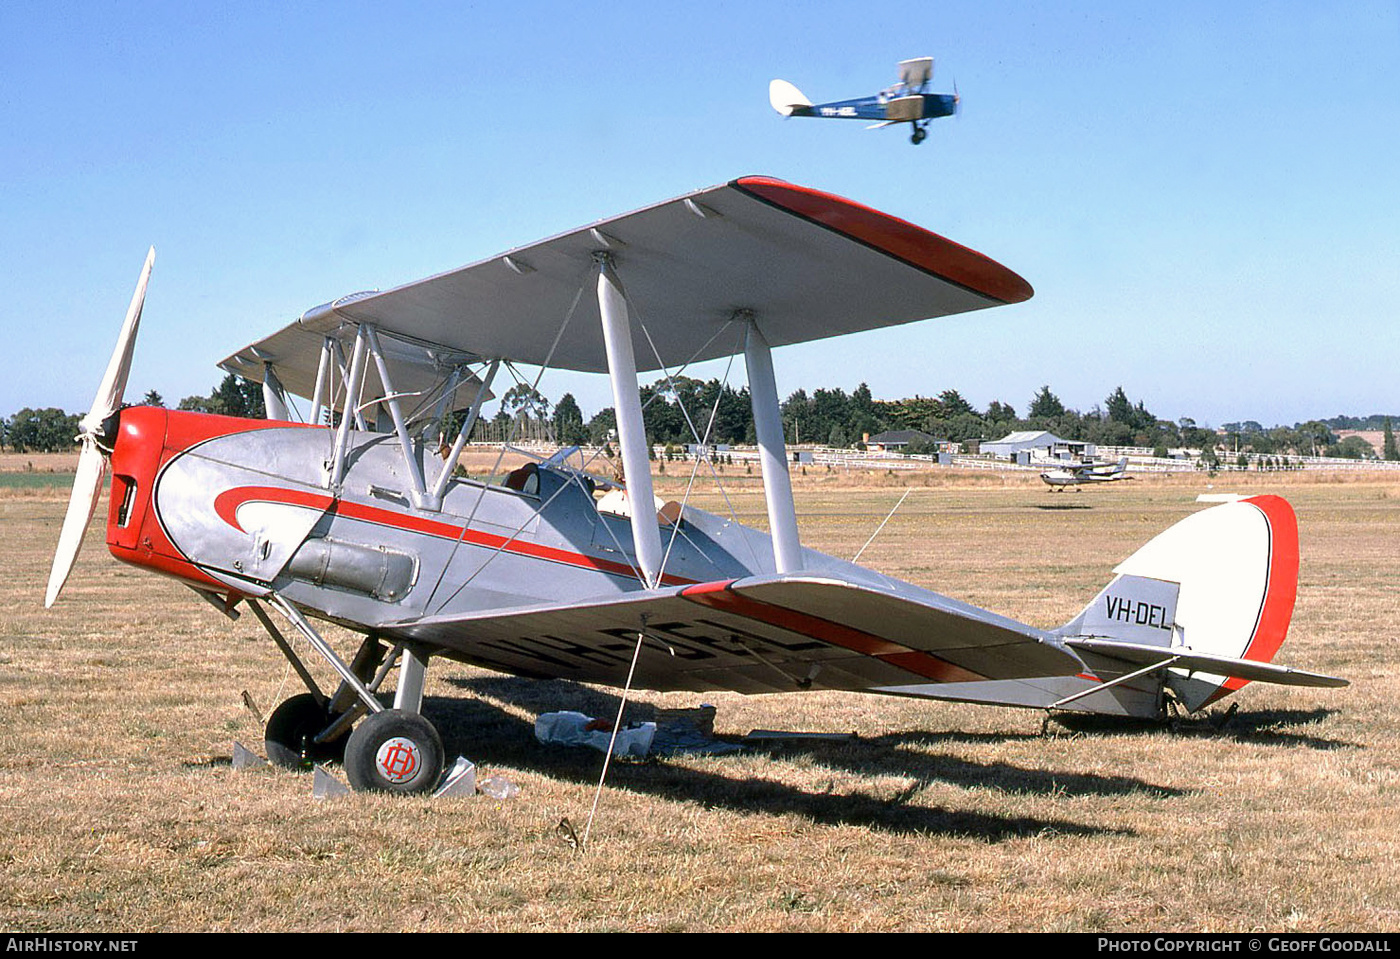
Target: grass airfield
120, 810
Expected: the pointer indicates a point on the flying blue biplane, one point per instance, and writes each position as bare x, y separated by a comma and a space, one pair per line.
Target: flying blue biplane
905, 102
553, 571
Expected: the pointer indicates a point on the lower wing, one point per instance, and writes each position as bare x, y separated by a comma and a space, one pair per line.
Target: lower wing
759, 634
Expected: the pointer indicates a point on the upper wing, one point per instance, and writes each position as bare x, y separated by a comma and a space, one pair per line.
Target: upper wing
759, 634
808, 265
917, 72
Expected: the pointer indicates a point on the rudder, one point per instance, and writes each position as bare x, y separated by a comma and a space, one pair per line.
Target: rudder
1221, 582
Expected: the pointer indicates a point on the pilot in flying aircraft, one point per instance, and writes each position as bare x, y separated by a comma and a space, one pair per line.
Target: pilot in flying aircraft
354, 517
1085, 474
905, 102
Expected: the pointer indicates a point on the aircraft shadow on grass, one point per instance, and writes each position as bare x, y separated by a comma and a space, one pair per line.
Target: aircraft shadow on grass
1270, 727
488, 729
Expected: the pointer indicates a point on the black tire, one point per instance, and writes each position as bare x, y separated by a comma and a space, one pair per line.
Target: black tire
394, 751
291, 730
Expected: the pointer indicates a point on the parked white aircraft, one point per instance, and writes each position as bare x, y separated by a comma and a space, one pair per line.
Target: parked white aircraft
1085, 474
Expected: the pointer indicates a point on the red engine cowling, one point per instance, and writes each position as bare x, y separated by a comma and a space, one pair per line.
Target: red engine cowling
147, 437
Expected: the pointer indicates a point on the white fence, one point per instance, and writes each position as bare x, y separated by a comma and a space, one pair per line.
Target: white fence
1138, 462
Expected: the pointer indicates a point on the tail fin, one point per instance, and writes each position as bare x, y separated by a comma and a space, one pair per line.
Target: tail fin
786, 98
1216, 590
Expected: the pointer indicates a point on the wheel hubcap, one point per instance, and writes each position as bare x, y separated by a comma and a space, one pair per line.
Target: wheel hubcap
398, 760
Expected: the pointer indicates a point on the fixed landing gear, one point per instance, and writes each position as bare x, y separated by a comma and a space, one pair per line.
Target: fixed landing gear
394, 751
290, 736
918, 136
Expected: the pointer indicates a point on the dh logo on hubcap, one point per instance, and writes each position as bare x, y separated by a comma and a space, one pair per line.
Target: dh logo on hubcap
398, 759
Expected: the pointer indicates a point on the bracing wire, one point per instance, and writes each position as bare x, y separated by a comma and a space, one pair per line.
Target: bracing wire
612, 740
520, 381
670, 381
882, 525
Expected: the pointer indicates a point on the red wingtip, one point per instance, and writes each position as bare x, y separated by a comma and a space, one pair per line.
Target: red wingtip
913, 244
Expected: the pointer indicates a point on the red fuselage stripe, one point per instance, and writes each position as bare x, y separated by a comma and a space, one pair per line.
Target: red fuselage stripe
226, 505
722, 596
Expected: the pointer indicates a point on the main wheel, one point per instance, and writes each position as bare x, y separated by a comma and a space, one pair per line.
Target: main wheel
291, 732
394, 751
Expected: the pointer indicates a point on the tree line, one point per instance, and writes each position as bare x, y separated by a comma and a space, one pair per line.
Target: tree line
676, 410
51, 430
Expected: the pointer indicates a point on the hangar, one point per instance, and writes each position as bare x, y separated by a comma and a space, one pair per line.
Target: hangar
1027, 446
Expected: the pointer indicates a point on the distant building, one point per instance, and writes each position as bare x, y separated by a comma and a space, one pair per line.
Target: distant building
710, 451
1028, 445
895, 441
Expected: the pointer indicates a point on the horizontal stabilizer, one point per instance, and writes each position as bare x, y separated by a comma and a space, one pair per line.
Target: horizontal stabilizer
1183, 658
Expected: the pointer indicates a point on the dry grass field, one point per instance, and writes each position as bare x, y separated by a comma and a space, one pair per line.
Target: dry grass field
120, 810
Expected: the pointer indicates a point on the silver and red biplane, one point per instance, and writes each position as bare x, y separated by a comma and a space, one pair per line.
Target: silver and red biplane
557, 572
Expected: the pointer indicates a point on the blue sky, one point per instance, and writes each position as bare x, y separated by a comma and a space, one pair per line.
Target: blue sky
1206, 196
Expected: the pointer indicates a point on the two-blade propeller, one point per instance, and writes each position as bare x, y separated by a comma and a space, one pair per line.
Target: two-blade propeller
92, 460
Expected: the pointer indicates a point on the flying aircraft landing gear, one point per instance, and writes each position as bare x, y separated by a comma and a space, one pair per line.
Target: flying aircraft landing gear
918, 136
